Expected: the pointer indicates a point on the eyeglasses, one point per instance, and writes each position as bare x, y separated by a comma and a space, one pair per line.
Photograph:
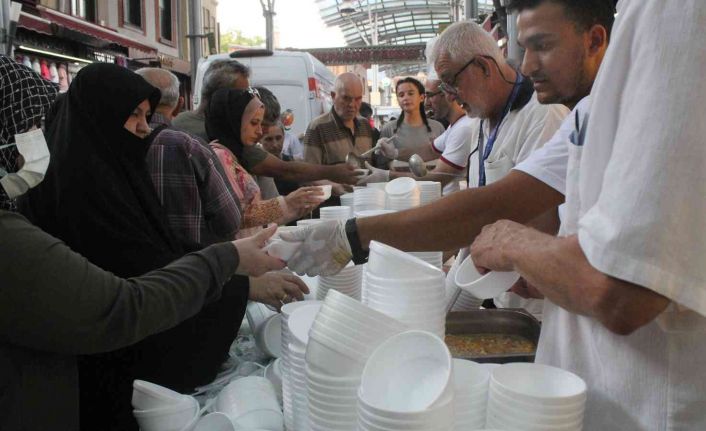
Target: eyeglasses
431, 94
253, 92
451, 88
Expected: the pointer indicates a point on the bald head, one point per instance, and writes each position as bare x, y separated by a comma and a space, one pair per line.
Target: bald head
347, 97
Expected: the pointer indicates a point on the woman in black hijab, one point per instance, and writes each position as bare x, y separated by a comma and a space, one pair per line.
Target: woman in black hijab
97, 196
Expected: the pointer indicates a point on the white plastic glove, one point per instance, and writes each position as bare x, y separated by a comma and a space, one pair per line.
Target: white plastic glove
376, 176
387, 148
325, 249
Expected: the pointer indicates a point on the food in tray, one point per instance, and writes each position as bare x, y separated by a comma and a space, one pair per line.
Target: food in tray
472, 345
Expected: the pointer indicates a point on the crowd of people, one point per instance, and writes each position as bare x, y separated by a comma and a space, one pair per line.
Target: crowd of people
133, 231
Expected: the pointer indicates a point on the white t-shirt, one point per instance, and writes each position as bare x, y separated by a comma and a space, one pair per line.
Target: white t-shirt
454, 146
292, 146
636, 196
521, 133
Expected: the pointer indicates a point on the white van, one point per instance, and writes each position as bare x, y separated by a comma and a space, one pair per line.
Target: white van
299, 81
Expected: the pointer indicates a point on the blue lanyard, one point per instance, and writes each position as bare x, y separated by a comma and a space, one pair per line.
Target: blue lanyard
488, 148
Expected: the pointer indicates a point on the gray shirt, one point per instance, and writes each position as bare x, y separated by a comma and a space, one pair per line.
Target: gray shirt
54, 304
412, 137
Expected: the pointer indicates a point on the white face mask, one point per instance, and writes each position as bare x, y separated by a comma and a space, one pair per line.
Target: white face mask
33, 148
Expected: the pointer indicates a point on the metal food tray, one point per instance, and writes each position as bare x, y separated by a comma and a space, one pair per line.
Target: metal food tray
495, 321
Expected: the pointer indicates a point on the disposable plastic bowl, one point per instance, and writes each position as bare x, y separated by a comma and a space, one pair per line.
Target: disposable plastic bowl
536, 406
147, 396
268, 336
389, 261
485, 286
327, 379
408, 372
326, 189
326, 356
469, 378
534, 417
421, 283
300, 322
263, 419
166, 419
245, 395
439, 414
517, 422
288, 309
340, 303
281, 249
273, 373
537, 382
401, 186
332, 394
215, 421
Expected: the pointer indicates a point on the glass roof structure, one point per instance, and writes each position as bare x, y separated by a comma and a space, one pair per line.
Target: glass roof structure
399, 22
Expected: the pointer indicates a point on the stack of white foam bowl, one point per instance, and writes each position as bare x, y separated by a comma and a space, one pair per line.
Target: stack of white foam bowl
157, 408
407, 385
434, 258
273, 373
251, 402
369, 199
535, 397
471, 393
348, 200
402, 193
335, 213
379, 186
348, 281
405, 288
429, 191
342, 338
300, 322
287, 394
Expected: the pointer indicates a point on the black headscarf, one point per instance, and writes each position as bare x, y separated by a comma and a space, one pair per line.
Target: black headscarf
98, 197
224, 116
25, 98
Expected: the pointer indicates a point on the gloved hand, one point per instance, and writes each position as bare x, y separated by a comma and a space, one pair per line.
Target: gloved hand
387, 148
376, 176
325, 249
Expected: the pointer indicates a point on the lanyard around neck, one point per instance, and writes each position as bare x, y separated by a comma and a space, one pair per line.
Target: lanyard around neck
488, 147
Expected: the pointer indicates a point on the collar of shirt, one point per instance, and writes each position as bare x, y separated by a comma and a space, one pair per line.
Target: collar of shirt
339, 122
159, 120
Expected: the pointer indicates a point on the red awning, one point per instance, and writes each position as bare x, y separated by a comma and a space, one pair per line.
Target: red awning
35, 23
94, 30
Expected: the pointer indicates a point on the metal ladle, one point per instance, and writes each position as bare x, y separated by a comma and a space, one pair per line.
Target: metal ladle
419, 168
357, 161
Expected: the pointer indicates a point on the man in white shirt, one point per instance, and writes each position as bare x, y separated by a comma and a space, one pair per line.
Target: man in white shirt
572, 38
451, 148
625, 281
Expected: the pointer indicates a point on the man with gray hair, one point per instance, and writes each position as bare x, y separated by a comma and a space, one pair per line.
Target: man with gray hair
230, 73
189, 180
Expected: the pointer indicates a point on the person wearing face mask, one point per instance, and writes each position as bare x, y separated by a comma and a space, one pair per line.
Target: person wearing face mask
24, 155
98, 197
233, 121
55, 304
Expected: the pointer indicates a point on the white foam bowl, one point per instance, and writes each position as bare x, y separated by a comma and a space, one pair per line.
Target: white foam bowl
300, 322
401, 186
273, 373
215, 421
328, 356
336, 301
391, 262
268, 336
438, 415
532, 417
247, 394
326, 189
536, 406
539, 383
261, 419
482, 286
148, 396
283, 250
406, 373
372, 213
167, 418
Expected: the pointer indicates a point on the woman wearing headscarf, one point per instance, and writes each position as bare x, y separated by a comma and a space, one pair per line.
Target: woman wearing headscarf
234, 120
98, 197
54, 304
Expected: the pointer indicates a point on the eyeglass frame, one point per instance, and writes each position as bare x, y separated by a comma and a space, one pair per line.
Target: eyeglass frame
253, 92
430, 94
451, 88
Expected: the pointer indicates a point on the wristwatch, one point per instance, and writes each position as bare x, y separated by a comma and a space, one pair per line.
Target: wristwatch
360, 256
